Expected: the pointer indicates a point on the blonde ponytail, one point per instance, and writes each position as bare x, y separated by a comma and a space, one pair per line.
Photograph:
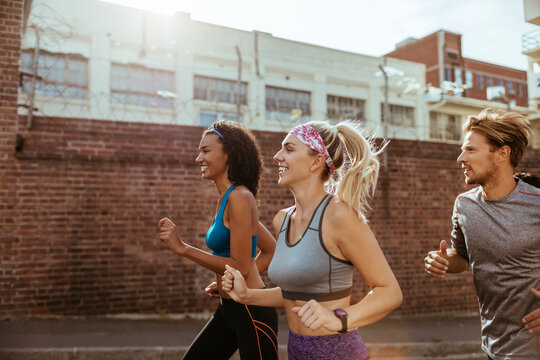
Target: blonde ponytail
355, 158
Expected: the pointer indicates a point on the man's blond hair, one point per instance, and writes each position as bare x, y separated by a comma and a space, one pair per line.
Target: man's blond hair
502, 128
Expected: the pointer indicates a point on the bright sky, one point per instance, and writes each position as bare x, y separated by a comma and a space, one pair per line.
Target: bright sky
491, 29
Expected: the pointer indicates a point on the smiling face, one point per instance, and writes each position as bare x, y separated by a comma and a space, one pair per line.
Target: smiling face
295, 160
477, 158
211, 158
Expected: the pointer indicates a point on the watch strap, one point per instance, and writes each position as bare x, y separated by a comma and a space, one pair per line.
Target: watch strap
342, 315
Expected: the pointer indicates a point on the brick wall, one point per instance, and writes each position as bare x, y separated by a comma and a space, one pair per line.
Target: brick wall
80, 200
10, 43
89, 194
425, 51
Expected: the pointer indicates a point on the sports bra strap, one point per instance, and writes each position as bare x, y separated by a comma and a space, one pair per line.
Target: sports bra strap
224, 201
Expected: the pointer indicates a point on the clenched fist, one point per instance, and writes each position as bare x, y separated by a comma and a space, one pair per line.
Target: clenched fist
168, 234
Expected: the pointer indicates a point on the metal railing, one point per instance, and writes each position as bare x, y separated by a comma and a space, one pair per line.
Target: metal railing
530, 40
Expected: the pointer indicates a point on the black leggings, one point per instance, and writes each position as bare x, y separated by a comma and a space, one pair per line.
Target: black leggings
251, 329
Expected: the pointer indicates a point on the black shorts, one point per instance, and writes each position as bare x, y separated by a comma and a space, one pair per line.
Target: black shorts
249, 328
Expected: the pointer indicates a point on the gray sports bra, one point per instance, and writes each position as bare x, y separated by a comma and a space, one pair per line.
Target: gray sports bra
307, 270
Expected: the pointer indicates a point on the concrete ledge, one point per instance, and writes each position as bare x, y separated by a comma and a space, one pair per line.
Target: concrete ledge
424, 349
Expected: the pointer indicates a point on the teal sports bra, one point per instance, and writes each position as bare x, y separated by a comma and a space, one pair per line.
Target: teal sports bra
218, 237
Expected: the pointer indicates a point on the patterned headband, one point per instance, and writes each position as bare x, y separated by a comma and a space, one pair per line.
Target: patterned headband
309, 136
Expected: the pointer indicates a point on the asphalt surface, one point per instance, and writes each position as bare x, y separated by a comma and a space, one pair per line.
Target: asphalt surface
423, 337
108, 332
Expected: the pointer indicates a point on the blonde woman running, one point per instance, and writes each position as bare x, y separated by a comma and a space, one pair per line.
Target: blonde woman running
320, 241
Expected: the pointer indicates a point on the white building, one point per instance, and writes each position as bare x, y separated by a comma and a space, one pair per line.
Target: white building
531, 48
105, 61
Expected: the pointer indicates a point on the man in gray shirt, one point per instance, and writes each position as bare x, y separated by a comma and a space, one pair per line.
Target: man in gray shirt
496, 231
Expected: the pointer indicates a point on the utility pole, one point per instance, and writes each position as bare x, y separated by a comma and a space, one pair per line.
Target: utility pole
256, 51
386, 110
238, 85
386, 116
29, 116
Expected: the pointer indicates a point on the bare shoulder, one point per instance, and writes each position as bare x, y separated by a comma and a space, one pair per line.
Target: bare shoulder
280, 216
344, 220
339, 213
241, 201
278, 219
241, 194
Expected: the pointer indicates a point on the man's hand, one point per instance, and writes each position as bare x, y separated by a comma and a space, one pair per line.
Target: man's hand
436, 262
532, 319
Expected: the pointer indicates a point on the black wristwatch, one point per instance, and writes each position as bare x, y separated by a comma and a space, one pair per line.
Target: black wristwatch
342, 315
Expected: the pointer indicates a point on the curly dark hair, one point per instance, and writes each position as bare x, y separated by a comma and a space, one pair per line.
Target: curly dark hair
243, 154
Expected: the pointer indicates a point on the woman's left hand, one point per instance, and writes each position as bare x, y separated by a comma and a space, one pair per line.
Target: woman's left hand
168, 234
314, 316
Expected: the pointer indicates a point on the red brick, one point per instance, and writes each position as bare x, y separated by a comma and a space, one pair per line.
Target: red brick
78, 231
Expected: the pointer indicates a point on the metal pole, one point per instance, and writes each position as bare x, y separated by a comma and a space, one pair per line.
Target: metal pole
238, 84
256, 50
386, 111
33, 84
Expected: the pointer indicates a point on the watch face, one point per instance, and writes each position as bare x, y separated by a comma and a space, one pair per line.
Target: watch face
340, 313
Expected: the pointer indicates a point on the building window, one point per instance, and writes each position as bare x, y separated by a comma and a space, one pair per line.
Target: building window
469, 79
339, 108
62, 75
510, 87
288, 104
499, 82
447, 74
444, 126
489, 81
457, 74
219, 90
519, 90
480, 81
207, 118
137, 85
399, 115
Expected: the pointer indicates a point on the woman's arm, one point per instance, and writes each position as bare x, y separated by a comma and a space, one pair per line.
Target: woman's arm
240, 216
168, 234
241, 210
234, 284
358, 244
267, 244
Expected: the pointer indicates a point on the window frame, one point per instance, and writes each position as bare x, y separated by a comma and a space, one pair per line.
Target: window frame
340, 109
44, 82
443, 129
209, 90
306, 109
480, 81
402, 109
469, 79
510, 87
130, 92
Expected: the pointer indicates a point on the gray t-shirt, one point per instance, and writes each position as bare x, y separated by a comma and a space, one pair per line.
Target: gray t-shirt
501, 241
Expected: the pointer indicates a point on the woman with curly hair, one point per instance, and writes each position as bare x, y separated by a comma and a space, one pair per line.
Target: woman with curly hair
230, 156
332, 172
